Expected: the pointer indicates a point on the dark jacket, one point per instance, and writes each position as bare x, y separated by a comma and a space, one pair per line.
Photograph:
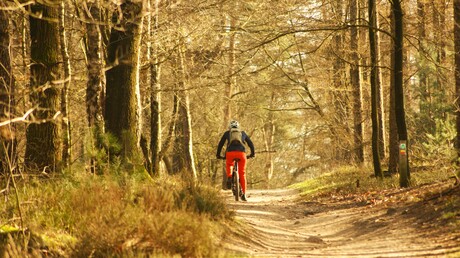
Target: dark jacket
235, 146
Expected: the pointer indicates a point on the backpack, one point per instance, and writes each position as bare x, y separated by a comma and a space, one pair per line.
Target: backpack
235, 136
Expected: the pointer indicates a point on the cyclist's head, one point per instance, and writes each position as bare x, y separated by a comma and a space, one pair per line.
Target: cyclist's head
234, 124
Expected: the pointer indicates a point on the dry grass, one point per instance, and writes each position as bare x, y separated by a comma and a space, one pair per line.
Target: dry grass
84, 215
432, 191
351, 179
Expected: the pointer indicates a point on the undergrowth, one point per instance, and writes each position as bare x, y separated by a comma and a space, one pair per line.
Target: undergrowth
83, 215
434, 186
352, 179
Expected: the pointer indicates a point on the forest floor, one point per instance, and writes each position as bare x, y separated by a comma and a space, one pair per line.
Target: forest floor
415, 222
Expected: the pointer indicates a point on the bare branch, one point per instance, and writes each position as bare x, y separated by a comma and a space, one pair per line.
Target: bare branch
17, 119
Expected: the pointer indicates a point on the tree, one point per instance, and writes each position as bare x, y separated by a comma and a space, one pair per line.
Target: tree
393, 158
230, 84
398, 88
340, 94
379, 87
8, 151
183, 160
95, 65
374, 90
356, 84
91, 15
457, 76
44, 144
122, 111
66, 139
155, 88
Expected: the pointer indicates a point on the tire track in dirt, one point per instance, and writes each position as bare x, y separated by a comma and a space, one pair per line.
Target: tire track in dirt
277, 223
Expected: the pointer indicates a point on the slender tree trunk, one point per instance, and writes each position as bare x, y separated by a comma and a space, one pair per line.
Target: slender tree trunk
95, 64
66, 140
399, 93
8, 152
183, 160
229, 85
424, 91
339, 94
457, 77
44, 145
155, 95
393, 134
356, 85
440, 94
379, 88
374, 90
269, 135
122, 95
96, 76
169, 138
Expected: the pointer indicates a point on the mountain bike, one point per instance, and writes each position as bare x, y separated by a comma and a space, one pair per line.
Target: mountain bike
236, 186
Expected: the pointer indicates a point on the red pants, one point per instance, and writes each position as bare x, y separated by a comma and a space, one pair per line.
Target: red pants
230, 156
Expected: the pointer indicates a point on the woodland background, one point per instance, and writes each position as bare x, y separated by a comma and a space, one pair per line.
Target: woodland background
151, 85
111, 112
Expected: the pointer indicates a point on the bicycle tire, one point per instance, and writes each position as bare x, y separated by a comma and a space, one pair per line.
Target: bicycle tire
236, 182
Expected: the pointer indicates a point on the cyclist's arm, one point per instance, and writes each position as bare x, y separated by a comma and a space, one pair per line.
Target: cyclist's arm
221, 144
250, 144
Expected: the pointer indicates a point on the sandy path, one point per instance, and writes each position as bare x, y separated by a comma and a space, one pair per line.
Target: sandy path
277, 223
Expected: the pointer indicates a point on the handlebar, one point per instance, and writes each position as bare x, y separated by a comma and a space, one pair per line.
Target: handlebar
248, 157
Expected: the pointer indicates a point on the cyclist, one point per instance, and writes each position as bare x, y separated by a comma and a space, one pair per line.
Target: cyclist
236, 138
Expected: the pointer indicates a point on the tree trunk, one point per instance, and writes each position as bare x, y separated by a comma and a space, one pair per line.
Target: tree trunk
155, 95
122, 112
8, 151
95, 64
399, 93
339, 93
374, 91
393, 133
356, 85
269, 135
425, 105
440, 94
96, 76
229, 85
183, 160
379, 88
44, 145
457, 76
66, 140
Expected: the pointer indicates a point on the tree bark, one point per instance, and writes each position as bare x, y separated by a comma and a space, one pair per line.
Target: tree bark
44, 144
183, 160
95, 64
229, 85
155, 94
339, 93
8, 152
269, 135
122, 112
393, 158
356, 85
66, 140
95, 85
425, 104
379, 88
457, 77
399, 93
374, 90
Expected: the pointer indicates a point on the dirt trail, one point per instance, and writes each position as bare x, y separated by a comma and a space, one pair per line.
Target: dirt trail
277, 223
